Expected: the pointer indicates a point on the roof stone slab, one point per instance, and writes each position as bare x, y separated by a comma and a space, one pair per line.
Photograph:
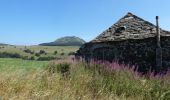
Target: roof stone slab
129, 27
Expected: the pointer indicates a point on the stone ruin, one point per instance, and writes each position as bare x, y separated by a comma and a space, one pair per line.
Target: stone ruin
131, 41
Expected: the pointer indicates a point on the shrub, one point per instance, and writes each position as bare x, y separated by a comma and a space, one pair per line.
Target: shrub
32, 58
25, 57
32, 52
15, 55
55, 52
71, 53
62, 53
42, 52
28, 51
61, 68
9, 55
37, 54
46, 58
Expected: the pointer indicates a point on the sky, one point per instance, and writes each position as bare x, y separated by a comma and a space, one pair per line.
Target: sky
30, 22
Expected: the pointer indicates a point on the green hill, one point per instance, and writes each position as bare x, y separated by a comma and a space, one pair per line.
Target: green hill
65, 41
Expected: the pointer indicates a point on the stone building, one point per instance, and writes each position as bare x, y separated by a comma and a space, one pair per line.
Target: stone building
132, 41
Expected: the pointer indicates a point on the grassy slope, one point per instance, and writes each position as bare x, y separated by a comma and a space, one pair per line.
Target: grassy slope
49, 49
30, 80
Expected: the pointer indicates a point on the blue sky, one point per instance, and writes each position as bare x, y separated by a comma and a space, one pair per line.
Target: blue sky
28, 22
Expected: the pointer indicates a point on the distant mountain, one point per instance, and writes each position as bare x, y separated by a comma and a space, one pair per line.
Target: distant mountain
66, 41
2, 44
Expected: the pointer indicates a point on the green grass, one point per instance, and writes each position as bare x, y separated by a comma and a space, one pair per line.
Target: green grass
15, 74
11, 65
24, 80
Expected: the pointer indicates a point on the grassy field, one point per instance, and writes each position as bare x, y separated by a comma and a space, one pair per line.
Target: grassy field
34, 80
15, 74
49, 49
12, 65
62, 51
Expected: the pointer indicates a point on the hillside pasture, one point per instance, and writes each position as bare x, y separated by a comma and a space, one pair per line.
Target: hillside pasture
49, 51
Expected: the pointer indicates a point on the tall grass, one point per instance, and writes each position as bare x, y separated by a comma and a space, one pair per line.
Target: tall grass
94, 81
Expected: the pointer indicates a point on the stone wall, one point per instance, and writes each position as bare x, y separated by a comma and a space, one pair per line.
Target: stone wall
138, 52
131, 40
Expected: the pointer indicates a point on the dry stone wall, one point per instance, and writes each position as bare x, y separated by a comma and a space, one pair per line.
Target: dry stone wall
141, 53
131, 40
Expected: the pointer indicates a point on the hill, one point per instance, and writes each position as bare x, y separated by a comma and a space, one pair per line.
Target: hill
2, 44
66, 41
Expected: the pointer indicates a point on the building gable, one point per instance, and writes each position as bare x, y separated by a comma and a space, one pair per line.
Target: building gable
129, 27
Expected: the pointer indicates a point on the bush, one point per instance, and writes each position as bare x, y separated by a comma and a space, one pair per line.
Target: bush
61, 68
28, 51
9, 55
37, 54
46, 58
32, 58
55, 52
62, 53
42, 52
15, 55
25, 58
71, 53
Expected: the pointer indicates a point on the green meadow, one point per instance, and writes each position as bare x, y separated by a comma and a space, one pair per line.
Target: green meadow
40, 53
12, 65
70, 80
49, 49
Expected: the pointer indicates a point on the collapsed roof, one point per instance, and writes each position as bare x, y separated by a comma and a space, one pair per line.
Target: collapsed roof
129, 27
